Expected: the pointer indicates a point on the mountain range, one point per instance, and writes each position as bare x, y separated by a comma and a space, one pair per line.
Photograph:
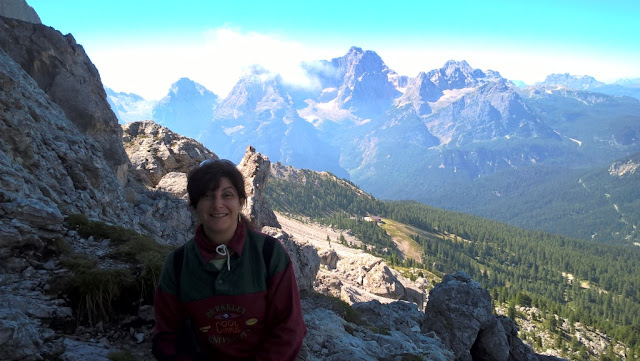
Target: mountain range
456, 137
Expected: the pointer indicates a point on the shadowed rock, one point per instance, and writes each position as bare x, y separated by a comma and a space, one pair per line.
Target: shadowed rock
64, 72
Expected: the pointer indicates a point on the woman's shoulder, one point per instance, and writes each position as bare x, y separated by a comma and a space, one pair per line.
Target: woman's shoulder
273, 251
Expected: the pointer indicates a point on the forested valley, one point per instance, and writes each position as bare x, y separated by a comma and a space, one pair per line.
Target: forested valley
592, 283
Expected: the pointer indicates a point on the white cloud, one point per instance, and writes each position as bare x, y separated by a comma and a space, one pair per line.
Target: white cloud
217, 59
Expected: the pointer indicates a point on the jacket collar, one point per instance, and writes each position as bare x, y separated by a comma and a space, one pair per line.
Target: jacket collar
208, 249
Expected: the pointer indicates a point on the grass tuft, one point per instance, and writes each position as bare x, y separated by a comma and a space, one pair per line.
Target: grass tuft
124, 355
96, 294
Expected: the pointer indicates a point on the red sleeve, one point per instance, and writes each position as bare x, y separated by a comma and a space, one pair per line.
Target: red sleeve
284, 319
168, 314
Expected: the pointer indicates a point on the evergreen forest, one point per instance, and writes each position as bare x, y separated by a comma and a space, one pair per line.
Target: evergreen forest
589, 282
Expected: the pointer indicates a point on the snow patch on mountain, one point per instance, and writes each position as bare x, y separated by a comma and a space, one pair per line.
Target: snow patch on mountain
449, 97
319, 113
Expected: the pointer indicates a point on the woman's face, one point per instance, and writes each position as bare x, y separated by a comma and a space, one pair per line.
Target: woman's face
218, 212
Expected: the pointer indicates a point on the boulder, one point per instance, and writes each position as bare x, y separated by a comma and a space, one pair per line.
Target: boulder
329, 258
383, 281
459, 312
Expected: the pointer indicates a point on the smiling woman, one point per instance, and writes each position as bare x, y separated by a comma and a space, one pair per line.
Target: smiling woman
247, 310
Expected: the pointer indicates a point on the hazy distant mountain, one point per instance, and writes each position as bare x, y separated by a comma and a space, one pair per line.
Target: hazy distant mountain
259, 112
129, 107
187, 109
630, 87
634, 83
581, 82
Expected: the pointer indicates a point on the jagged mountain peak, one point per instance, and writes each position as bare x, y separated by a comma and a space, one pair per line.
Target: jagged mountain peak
459, 74
357, 62
131, 96
186, 87
256, 86
452, 65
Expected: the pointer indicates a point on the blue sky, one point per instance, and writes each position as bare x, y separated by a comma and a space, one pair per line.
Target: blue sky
144, 46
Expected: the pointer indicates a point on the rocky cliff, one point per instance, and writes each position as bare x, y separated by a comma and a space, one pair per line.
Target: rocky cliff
19, 9
63, 71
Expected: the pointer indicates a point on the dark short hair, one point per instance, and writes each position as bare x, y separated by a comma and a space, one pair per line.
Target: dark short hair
206, 177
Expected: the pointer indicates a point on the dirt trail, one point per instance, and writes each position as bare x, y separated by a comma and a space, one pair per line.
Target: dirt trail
316, 234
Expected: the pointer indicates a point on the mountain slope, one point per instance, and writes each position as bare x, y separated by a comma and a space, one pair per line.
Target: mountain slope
582, 281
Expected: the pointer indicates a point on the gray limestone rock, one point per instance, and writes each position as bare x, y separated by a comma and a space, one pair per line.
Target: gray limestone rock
77, 350
255, 168
64, 72
383, 281
304, 257
19, 9
329, 258
459, 313
459, 309
20, 338
159, 155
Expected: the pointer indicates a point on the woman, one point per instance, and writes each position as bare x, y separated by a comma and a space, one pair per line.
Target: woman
233, 288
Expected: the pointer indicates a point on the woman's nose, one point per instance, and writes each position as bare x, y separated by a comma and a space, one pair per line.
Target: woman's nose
217, 201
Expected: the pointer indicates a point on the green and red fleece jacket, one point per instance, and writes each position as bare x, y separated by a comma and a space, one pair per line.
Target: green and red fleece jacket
251, 312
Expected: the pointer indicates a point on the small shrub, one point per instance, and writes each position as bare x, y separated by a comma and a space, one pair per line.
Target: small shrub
380, 331
61, 247
339, 306
77, 220
124, 355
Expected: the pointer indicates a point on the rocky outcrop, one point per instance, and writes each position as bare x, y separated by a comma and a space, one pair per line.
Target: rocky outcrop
303, 256
459, 312
329, 258
255, 168
19, 9
61, 68
371, 275
624, 168
378, 332
160, 158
